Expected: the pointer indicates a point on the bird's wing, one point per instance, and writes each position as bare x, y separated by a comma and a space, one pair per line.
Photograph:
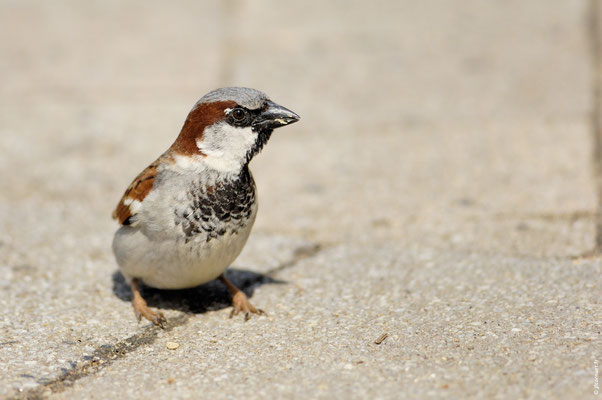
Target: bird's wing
130, 202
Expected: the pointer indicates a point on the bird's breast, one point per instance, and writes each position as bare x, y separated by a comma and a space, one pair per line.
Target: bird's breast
189, 231
218, 209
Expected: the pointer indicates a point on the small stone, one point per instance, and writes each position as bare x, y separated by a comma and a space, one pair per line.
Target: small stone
172, 345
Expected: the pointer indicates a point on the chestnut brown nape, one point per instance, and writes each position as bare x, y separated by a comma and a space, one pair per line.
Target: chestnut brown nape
200, 117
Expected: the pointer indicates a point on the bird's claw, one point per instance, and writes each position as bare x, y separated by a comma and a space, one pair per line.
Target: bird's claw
241, 304
142, 310
159, 320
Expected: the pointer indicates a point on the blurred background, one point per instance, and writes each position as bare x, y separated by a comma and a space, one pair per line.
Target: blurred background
430, 130
417, 117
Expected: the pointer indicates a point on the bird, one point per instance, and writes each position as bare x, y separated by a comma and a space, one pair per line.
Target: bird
187, 216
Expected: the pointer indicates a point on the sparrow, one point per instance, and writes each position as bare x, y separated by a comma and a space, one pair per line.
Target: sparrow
187, 216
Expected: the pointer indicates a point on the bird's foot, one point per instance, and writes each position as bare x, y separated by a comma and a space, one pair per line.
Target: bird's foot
241, 304
141, 309
240, 301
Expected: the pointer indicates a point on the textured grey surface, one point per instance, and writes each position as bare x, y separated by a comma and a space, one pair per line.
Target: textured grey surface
439, 188
459, 324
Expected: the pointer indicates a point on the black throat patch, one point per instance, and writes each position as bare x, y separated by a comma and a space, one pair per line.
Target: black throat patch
263, 136
217, 210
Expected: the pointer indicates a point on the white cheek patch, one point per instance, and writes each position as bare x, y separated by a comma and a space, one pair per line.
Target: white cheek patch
225, 147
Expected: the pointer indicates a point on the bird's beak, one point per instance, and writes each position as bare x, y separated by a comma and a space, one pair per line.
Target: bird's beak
274, 116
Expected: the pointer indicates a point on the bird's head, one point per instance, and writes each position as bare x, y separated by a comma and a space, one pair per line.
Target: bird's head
228, 126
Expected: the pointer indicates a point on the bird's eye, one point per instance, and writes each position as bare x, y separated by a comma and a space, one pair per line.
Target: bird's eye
238, 114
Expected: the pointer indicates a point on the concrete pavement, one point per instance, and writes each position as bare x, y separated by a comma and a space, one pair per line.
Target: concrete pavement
440, 189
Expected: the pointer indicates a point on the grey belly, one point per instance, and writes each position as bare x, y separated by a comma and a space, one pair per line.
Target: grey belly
179, 262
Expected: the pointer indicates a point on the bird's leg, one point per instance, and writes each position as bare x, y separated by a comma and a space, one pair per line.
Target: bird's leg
240, 302
142, 310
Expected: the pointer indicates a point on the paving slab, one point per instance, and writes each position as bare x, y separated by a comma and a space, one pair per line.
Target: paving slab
458, 325
439, 188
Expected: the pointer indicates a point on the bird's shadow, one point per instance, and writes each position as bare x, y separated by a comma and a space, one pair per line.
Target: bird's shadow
210, 296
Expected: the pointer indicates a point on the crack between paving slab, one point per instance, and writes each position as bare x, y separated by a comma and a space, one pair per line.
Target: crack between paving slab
300, 253
101, 358
569, 216
106, 355
595, 37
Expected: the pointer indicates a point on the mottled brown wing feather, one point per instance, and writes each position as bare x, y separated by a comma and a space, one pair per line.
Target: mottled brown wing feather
136, 192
